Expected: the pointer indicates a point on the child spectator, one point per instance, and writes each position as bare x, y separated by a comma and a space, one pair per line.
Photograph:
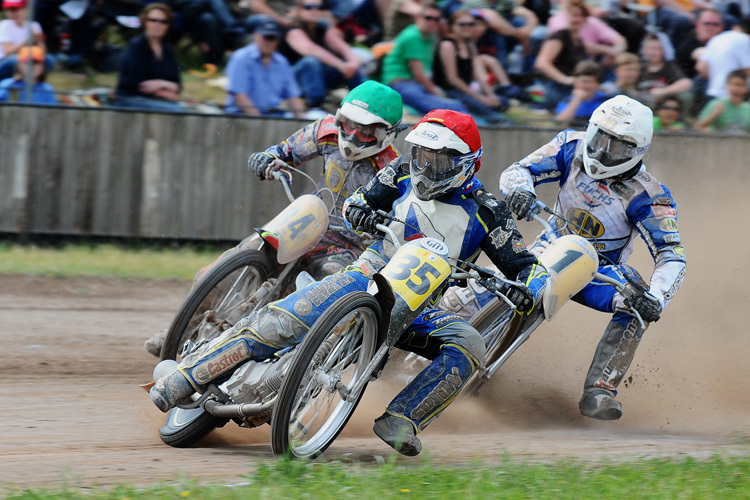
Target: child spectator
457, 71
320, 57
627, 74
585, 98
41, 91
149, 75
407, 68
659, 75
729, 114
668, 114
261, 79
14, 33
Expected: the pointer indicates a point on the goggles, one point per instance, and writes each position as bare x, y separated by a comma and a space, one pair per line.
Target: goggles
440, 165
358, 133
610, 150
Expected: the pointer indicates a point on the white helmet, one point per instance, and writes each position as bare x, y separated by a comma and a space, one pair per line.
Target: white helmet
618, 135
446, 151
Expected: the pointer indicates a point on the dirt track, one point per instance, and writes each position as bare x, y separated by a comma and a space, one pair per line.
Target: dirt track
73, 413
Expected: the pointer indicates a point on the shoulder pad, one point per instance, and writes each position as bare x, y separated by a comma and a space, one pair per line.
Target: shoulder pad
651, 185
485, 199
570, 135
327, 128
385, 157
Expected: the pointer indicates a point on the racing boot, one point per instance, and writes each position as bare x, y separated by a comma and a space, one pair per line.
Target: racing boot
612, 359
170, 390
424, 399
399, 433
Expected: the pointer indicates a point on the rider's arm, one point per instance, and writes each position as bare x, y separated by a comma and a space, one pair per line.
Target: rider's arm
382, 190
549, 163
655, 218
306, 143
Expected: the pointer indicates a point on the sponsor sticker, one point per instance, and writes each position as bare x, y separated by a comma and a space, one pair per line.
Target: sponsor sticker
669, 225
302, 307
220, 363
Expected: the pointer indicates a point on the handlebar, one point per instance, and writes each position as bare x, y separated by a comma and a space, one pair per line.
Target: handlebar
285, 179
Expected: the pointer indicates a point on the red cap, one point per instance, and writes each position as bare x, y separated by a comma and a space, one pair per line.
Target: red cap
10, 4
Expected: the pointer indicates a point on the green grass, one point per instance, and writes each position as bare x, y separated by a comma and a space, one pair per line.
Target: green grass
717, 478
104, 260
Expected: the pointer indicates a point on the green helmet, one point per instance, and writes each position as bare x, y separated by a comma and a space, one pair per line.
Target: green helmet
368, 120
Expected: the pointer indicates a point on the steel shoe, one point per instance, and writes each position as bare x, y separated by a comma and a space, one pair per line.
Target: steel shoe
399, 433
154, 343
601, 405
170, 390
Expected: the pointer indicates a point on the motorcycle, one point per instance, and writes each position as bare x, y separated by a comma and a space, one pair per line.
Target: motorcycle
350, 343
266, 266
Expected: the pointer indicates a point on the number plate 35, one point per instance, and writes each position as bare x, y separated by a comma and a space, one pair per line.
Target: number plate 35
415, 273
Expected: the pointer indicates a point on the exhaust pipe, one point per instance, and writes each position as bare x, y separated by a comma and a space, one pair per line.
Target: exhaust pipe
239, 410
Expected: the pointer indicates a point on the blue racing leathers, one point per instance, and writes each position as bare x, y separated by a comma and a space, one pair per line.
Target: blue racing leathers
610, 213
469, 221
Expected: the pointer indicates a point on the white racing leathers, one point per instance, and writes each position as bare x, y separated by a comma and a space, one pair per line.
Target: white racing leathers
610, 213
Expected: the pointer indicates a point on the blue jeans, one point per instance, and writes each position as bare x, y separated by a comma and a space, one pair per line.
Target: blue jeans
555, 92
147, 103
8, 65
316, 79
478, 108
416, 95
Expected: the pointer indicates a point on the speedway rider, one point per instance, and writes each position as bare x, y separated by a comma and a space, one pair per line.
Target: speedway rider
434, 191
607, 192
355, 144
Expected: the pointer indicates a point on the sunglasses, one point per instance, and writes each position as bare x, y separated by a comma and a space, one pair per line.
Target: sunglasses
466, 25
160, 21
431, 18
710, 23
271, 38
312, 6
671, 108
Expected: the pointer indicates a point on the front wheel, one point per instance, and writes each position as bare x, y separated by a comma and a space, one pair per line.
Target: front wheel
222, 297
311, 410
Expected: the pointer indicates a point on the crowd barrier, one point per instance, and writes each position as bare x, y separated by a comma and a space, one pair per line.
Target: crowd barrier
101, 172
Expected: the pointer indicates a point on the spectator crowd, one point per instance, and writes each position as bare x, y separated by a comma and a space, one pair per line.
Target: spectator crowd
502, 61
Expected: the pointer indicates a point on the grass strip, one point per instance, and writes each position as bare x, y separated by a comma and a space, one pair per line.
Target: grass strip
107, 260
688, 478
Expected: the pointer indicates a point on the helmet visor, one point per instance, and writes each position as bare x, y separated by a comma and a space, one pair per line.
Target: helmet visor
361, 135
434, 165
610, 150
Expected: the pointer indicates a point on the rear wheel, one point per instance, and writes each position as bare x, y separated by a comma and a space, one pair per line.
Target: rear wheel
311, 411
223, 296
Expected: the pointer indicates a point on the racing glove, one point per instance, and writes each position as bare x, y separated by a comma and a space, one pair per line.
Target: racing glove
520, 201
258, 162
363, 218
520, 296
648, 307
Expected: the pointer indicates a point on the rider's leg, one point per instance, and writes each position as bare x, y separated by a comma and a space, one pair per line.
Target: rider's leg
280, 324
615, 351
611, 360
456, 350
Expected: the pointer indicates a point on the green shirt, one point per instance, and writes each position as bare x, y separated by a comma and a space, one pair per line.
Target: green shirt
659, 126
733, 119
409, 45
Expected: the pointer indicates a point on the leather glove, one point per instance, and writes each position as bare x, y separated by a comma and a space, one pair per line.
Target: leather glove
649, 308
519, 201
363, 218
258, 162
521, 296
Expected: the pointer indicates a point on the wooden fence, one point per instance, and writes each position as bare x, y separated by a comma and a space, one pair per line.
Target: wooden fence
137, 174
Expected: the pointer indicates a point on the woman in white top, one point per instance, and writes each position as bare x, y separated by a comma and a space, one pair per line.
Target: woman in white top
14, 34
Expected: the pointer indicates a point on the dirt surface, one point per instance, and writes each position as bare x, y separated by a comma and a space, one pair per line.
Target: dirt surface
73, 413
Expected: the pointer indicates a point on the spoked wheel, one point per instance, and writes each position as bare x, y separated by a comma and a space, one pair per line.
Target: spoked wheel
314, 404
494, 323
223, 296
